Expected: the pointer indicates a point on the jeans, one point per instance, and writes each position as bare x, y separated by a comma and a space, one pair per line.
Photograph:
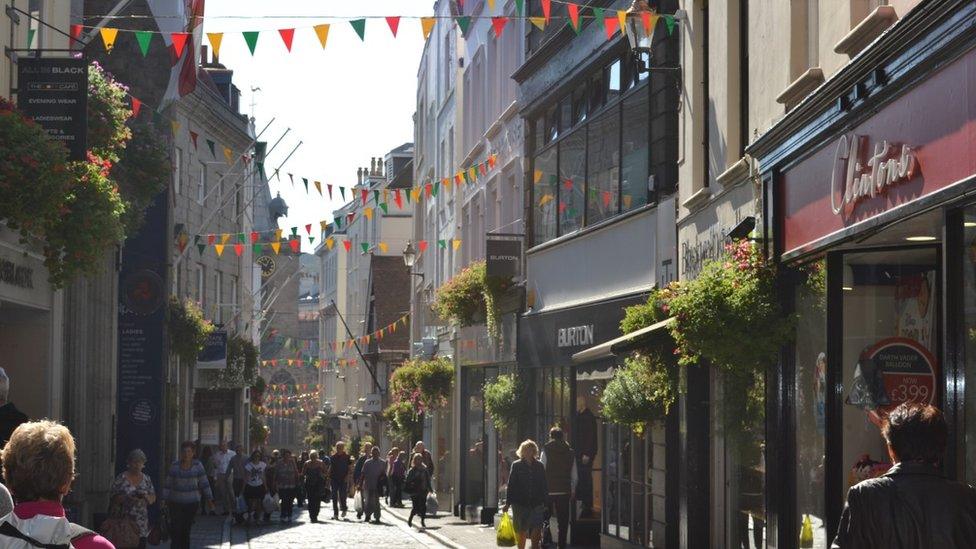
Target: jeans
181, 516
559, 506
396, 491
225, 492
314, 495
338, 496
418, 505
287, 502
371, 503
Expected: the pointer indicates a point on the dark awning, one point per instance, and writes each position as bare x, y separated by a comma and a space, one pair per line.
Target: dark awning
622, 344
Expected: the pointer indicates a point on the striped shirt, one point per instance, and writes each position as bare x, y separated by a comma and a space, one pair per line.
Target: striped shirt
184, 485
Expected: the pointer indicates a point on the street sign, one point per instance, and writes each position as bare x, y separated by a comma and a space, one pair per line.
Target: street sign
214, 353
53, 91
504, 255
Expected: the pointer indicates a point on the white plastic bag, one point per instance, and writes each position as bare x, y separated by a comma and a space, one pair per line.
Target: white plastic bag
431, 504
357, 502
270, 503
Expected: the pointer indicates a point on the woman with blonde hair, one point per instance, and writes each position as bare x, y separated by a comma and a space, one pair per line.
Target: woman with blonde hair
527, 494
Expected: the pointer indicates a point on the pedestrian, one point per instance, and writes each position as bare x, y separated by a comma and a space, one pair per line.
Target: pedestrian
185, 481
302, 460
391, 457
313, 477
133, 491
10, 416
286, 484
357, 473
255, 487
338, 476
419, 448
374, 471
237, 464
417, 484
528, 494
225, 476
209, 466
39, 467
561, 476
912, 505
398, 473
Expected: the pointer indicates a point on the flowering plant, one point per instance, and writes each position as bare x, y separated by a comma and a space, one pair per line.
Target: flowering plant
188, 330
242, 362
107, 114
425, 384
505, 401
403, 423
643, 390
471, 296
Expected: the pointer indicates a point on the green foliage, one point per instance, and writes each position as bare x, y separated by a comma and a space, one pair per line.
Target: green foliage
188, 330
142, 173
472, 296
730, 315
315, 436
425, 384
258, 430
357, 443
403, 422
242, 364
646, 314
505, 401
643, 390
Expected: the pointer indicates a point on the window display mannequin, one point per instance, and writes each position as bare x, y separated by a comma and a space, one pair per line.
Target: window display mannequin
586, 439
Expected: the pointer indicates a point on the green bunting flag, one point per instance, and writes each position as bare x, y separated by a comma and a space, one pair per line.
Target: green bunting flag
144, 38
201, 248
338, 222
211, 145
385, 208
519, 7
437, 186
442, 244
311, 239
360, 27
241, 237
251, 37
30, 37
342, 191
376, 197
256, 248
463, 22
365, 246
669, 21
294, 231
305, 181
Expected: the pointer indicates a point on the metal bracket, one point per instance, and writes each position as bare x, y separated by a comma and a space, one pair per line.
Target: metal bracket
12, 14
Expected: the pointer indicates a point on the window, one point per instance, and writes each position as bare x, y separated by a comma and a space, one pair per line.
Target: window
603, 172
202, 184
218, 305
572, 181
198, 291
635, 152
177, 170
36, 8
220, 195
545, 181
238, 201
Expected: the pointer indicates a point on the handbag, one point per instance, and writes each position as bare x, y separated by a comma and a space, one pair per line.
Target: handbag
505, 533
120, 528
160, 532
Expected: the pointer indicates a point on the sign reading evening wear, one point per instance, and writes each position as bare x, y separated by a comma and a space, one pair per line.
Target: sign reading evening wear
53, 91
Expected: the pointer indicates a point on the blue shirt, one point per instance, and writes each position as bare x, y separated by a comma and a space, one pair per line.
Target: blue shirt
184, 485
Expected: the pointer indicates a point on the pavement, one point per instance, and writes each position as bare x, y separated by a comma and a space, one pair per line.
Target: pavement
447, 529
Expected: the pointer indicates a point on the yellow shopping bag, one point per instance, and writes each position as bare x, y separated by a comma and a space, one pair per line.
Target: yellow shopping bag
506, 532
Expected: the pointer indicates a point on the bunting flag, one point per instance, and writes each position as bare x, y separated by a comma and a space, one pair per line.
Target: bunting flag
179, 42
347, 245
539, 22
394, 23
287, 35
144, 38
427, 25
136, 107
622, 21
498, 23
330, 243
519, 7
210, 145
322, 31
547, 10
215, 39
456, 243
365, 247
574, 21
305, 181
193, 137
238, 249
463, 22
359, 25
318, 187
75, 31
30, 38
229, 155
251, 37
308, 228
329, 187
276, 247
219, 248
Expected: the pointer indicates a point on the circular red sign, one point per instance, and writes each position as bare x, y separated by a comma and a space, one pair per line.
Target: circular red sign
908, 370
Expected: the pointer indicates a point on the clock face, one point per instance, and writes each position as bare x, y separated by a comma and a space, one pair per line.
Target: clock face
268, 265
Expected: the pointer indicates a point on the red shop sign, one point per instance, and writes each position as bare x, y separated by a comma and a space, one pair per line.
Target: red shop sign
921, 142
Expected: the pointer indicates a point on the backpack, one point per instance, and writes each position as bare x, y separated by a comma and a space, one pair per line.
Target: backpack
76, 532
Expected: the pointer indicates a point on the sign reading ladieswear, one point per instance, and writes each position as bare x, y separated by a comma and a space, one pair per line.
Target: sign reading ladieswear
921, 142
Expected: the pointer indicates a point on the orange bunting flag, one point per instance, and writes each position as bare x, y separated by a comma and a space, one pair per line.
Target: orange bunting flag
492, 159
287, 35
622, 19
384, 247
426, 25
318, 187
108, 37
650, 21
368, 212
415, 194
322, 31
229, 155
215, 39
330, 243
219, 248
276, 246
394, 23
224, 238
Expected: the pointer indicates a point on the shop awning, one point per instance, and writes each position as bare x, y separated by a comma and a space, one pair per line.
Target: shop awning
620, 345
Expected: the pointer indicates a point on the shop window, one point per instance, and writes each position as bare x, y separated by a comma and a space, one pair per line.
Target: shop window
572, 181
598, 91
809, 413
635, 152
552, 123
578, 107
545, 187
614, 83
474, 438
740, 429
629, 471
969, 341
603, 166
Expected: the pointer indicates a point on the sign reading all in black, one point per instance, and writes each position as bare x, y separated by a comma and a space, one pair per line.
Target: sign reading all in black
54, 92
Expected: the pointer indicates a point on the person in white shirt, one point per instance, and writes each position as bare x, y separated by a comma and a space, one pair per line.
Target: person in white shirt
225, 477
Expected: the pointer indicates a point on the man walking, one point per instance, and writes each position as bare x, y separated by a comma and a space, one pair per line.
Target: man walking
911, 506
236, 469
374, 470
224, 475
10, 416
357, 472
338, 477
561, 476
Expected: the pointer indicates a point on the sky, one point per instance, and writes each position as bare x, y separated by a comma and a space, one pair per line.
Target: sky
350, 102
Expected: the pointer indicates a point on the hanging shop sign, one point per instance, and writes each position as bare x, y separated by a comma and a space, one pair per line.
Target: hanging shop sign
504, 255
214, 353
373, 403
53, 91
916, 145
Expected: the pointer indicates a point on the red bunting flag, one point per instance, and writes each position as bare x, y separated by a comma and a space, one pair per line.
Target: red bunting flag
398, 199
568, 184
238, 249
483, 167
394, 23
606, 199
75, 33
347, 244
573, 11
610, 23
646, 19
287, 35
254, 237
491, 160
498, 23
329, 186
364, 193
179, 42
349, 217
136, 106
193, 137
422, 245
295, 244
428, 188
308, 228
211, 238
547, 10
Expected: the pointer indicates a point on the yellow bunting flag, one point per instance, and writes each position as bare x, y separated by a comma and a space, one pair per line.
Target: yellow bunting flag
415, 194
215, 39
175, 125
539, 22
545, 200
456, 243
108, 37
276, 246
323, 225
278, 234
224, 238
491, 4
229, 155
426, 25
537, 177
384, 247
220, 249
318, 187
322, 31
368, 212
472, 173
622, 17
330, 243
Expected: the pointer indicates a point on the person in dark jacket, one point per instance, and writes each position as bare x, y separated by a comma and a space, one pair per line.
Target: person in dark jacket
357, 472
339, 476
417, 485
10, 416
561, 476
911, 506
528, 493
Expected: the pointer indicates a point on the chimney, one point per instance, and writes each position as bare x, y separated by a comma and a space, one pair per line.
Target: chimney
203, 54
359, 176
372, 165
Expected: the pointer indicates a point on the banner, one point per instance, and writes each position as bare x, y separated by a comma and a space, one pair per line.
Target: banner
54, 92
214, 353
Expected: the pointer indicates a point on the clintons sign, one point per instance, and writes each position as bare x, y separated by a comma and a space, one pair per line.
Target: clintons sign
919, 143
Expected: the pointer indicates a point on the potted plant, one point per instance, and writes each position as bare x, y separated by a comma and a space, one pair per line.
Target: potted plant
188, 330
472, 297
504, 401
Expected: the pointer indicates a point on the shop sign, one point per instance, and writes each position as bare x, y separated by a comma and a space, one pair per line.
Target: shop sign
214, 353
575, 336
504, 255
373, 403
53, 91
857, 181
16, 275
891, 372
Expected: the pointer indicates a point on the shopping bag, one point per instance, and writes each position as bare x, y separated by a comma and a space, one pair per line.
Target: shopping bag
505, 534
432, 506
241, 505
270, 503
357, 502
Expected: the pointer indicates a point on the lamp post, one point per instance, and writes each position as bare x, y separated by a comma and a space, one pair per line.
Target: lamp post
410, 259
640, 35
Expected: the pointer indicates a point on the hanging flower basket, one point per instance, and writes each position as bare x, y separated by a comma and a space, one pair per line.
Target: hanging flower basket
471, 297
641, 391
188, 330
425, 384
242, 362
505, 401
403, 423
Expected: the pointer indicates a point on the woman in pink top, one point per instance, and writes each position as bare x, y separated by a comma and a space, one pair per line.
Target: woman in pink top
38, 468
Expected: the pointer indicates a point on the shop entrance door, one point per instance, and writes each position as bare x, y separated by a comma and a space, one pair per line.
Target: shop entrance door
884, 349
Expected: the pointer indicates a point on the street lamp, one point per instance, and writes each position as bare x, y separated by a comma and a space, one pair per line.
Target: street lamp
410, 259
639, 36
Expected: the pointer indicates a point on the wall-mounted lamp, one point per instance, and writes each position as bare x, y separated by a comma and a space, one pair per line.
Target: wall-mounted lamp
410, 259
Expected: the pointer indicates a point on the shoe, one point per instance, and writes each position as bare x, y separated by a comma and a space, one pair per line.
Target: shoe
335, 517
343, 513
410, 522
377, 521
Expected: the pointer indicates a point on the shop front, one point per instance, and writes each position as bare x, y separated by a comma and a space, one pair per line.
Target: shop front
872, 215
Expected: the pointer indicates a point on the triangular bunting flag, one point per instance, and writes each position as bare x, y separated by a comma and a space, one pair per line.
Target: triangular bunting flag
384, 207
251, 37
547, 10
376, 196
519, 7
365, 247
498, 23
311, 239
210, 144
368, 212
179, 42
329, 243
539, 22
256, 248
175, 126
276, 247
422, 246
211, 238
347, 244
305, 181
215, 39
456, 243
463, 22
136, 107
574, 22
294, 231
397, 199
622, 21
649, 20
30, 38
322, 31
342, 191
427, 25
384, 247
144, 38
329, 187
364, 194
318, 187
394, 23
442, 244
201, 248
229, 155
219, 248
193, 137
308, 228
75, 31
224, 238
669, 22
287, 35
359, 25
255, 237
